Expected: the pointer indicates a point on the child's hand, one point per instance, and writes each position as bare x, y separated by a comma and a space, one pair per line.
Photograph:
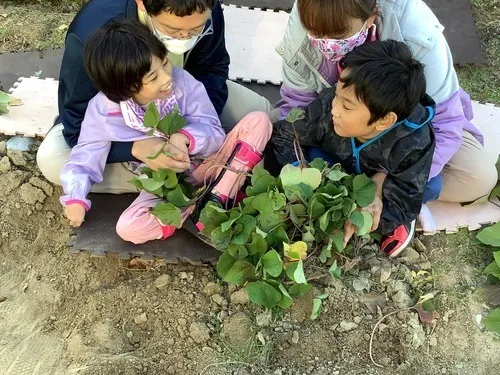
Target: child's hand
75, 213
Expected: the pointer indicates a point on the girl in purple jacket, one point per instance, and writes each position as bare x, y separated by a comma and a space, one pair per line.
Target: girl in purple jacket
129, 67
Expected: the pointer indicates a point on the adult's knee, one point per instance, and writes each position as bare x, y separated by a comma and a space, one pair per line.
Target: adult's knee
486, 178
48, 163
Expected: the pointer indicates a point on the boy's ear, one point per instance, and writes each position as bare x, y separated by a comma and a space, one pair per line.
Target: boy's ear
386, 122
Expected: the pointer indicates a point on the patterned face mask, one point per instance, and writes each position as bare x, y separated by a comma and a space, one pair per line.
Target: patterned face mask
335, 49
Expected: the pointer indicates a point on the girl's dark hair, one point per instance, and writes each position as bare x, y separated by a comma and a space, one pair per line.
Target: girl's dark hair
119, 55
385, 77
330, 18
180, 8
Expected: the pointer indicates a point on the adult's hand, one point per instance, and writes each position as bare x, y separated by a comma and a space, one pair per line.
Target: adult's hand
146, 148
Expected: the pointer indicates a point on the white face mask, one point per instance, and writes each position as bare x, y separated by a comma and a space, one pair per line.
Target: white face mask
178, 46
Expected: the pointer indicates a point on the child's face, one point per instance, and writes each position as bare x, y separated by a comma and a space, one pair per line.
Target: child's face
350, 116
157, 83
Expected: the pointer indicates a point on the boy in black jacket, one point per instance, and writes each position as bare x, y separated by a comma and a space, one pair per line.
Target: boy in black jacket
376, 121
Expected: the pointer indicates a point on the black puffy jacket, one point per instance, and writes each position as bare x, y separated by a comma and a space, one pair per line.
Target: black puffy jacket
404, 153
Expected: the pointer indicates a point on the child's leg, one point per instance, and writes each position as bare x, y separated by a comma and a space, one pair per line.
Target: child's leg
138, 225
253, 131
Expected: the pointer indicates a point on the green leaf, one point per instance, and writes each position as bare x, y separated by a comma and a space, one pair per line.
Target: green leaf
263, 294
170, 179
261, 182
338, 241
160, 175
171, 123
492, 321
335, 270
224, 264
277, 237
336, 174
136, 182
495, 192
278, 199
240, 272
168, 214
4, 97
490, 236
150, 184
237, 251
319, 164
268, 222
326, 252
297, 210
248, 223
316, 209
298, 290
272, 263
221, 240
147, 171
294, 115
293, 176
308, 235
295, 272
286, 300
3, 109
263, 204
494, 267
178, 198
298, 192
211, 218
233, 216
363, 220
316, 309
364, 190
257, 246
152, 116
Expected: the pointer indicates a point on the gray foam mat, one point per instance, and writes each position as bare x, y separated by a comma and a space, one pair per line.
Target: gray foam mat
98, 236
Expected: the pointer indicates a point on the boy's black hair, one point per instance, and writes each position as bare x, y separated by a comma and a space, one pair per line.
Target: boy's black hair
385, 77
180, 8
119, 55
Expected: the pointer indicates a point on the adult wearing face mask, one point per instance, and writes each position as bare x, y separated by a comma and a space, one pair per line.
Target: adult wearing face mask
321, 32
192, 31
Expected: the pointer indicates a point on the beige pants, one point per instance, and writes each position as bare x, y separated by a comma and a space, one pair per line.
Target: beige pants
470, 174
54, 152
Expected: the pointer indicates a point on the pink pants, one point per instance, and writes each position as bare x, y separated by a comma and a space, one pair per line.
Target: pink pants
137, 225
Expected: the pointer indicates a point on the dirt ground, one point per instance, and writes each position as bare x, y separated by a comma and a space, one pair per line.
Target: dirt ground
74, 314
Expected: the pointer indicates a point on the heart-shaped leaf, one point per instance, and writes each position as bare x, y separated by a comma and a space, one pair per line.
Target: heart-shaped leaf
168, 214
152, 116
272, 263
364, 190
293, 176
490, 236
363, 220
263, 294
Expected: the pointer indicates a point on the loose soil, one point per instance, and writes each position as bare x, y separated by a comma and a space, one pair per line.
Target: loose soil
75, 314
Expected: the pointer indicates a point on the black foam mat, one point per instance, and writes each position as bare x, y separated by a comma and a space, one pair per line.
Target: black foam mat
98, 236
